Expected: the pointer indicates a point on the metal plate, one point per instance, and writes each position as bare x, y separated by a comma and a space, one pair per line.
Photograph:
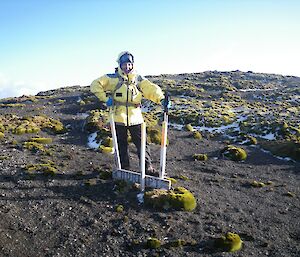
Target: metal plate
135, 177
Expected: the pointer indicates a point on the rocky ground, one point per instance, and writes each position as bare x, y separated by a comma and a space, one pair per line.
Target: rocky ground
73, 210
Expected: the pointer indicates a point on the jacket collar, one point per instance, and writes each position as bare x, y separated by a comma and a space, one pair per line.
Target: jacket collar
131, 76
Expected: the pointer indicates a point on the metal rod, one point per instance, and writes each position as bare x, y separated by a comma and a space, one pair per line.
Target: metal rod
142, 157
115, 140
163, 147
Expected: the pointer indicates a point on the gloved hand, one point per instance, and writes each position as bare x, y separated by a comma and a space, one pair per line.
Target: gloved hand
109, 102
166, 103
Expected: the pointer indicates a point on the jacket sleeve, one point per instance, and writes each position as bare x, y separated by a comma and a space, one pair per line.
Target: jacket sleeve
100, 86
151, 91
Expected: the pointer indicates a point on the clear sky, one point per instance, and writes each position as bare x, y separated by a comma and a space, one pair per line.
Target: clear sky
46, 44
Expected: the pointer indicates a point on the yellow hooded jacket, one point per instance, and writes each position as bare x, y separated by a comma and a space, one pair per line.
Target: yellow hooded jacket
126, 96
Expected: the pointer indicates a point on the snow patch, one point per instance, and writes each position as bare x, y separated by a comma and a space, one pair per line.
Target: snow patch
235, 126
256, 89
140, 197
83, 115
270, 136
92, 142
278, 157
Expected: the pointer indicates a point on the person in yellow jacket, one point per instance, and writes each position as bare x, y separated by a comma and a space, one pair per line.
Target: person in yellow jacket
124, 90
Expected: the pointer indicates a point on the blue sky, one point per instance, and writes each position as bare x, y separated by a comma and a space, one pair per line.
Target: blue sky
47, 44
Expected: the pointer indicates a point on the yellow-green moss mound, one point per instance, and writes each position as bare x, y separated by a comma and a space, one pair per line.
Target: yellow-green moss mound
96, 120
107, 145
200, 157
90, 182
33, 146
2, 128
119, 208
106, 149
154, 136
230, 242
153, 243
12, 105
197, 135
178, 199
234, 153
255, 183
248, 140
189, 127
30, 124
150, 119
48, 168
42, 140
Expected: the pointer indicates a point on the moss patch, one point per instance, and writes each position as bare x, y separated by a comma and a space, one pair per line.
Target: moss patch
107, 145
105, 174
255, 183
290, 194
90, 182
106, 149
154, 136
30, 124
41, 140
150, 119
200, 157
153, 243
47, 168
97, 120
12, 105
230, 242
197, 135
234, 153
177, 199
189, 127
173, 180
119, 208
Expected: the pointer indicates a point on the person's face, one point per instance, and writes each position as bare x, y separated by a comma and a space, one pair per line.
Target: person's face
127, 67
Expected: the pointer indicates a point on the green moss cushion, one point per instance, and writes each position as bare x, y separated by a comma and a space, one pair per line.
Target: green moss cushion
178, 199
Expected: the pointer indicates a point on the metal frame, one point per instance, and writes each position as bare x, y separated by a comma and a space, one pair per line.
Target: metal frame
135, 177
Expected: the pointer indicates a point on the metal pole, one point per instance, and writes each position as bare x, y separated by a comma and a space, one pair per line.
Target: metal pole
142, 157
114, 137
163, 147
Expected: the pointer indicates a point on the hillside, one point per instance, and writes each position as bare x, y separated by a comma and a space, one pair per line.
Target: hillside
58, 199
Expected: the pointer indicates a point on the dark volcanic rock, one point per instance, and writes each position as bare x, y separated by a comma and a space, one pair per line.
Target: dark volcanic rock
72, 212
